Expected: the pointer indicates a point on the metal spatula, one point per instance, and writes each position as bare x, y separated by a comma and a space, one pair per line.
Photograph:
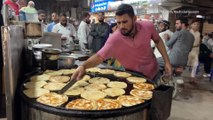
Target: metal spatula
67, 86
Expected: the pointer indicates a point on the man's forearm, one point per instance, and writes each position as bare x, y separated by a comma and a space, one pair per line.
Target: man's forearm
161, 48
92, 61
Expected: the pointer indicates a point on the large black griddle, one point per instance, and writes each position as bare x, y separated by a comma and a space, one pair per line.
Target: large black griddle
88, 113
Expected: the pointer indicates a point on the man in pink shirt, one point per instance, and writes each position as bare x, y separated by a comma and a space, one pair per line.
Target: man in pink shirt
130, 45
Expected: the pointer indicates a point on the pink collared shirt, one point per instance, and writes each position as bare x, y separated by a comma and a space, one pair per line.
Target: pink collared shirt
134, 53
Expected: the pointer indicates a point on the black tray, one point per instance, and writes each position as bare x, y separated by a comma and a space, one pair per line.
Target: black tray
88, 113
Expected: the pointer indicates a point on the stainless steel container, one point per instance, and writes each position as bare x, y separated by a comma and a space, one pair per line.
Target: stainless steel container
50, 58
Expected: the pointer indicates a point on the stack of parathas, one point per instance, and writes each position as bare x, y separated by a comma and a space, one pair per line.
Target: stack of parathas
96, 93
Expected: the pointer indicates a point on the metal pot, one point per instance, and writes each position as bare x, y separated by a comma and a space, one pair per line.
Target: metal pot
50, 58
37, 50
66, 61
51, 53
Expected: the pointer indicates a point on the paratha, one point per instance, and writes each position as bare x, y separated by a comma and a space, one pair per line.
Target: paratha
106, 71
128, 100
93, 70
145, 95
35, 92
122, 74
85, 78
113, 92
43, 77
55, 73
48, 71
61, 79
143, 86
52, 99
106, 104
95, 86
74, 91
68, 71
53, 86
38, 84
136, 79
80, 83
117, 84
99, 80
82, 104
93, 95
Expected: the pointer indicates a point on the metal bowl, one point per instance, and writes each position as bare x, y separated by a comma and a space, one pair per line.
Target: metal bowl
51, 53
66, 62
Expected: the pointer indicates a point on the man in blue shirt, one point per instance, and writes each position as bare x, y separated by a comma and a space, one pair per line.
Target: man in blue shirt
55, 20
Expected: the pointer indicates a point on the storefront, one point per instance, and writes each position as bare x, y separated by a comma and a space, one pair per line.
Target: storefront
144, 9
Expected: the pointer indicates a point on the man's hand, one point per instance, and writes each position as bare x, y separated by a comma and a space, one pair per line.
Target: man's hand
78, 74
168, 69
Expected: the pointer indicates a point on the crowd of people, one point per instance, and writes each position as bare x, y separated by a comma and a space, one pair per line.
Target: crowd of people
184, 47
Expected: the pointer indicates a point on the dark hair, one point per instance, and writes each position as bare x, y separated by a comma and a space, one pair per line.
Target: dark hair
63, 15
111, 26
41, 12
194, 20
165, 22
86, 14
183, 20
125, 9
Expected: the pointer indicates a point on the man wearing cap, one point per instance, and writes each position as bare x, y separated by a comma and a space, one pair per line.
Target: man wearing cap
164, 30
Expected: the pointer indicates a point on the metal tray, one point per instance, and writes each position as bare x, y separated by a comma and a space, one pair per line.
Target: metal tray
61, 110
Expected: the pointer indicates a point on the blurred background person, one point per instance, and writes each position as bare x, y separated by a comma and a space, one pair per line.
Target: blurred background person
164, 31
42, 16
55, 20
13, 9
205, 57
83, 32
68, 32
30, 8
194, 53
210, 42
99, 32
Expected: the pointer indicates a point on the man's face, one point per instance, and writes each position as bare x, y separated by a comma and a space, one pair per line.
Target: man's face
54, 17
87, 19
100, 17
162, 26
125, 24
178, 25
63, 21
42, 17
195, 26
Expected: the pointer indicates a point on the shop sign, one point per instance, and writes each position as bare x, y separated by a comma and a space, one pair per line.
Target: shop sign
100, 6
100, 0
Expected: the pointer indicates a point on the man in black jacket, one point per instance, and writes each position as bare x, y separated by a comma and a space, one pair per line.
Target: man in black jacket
99, 32
205, 57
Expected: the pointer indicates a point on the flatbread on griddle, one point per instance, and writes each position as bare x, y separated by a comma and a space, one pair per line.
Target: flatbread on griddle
99, 80
128, 100
117, 84
62, 79
52, 99
37, 84
122, 74
35, 92
93, 95
136, 79
113, 92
